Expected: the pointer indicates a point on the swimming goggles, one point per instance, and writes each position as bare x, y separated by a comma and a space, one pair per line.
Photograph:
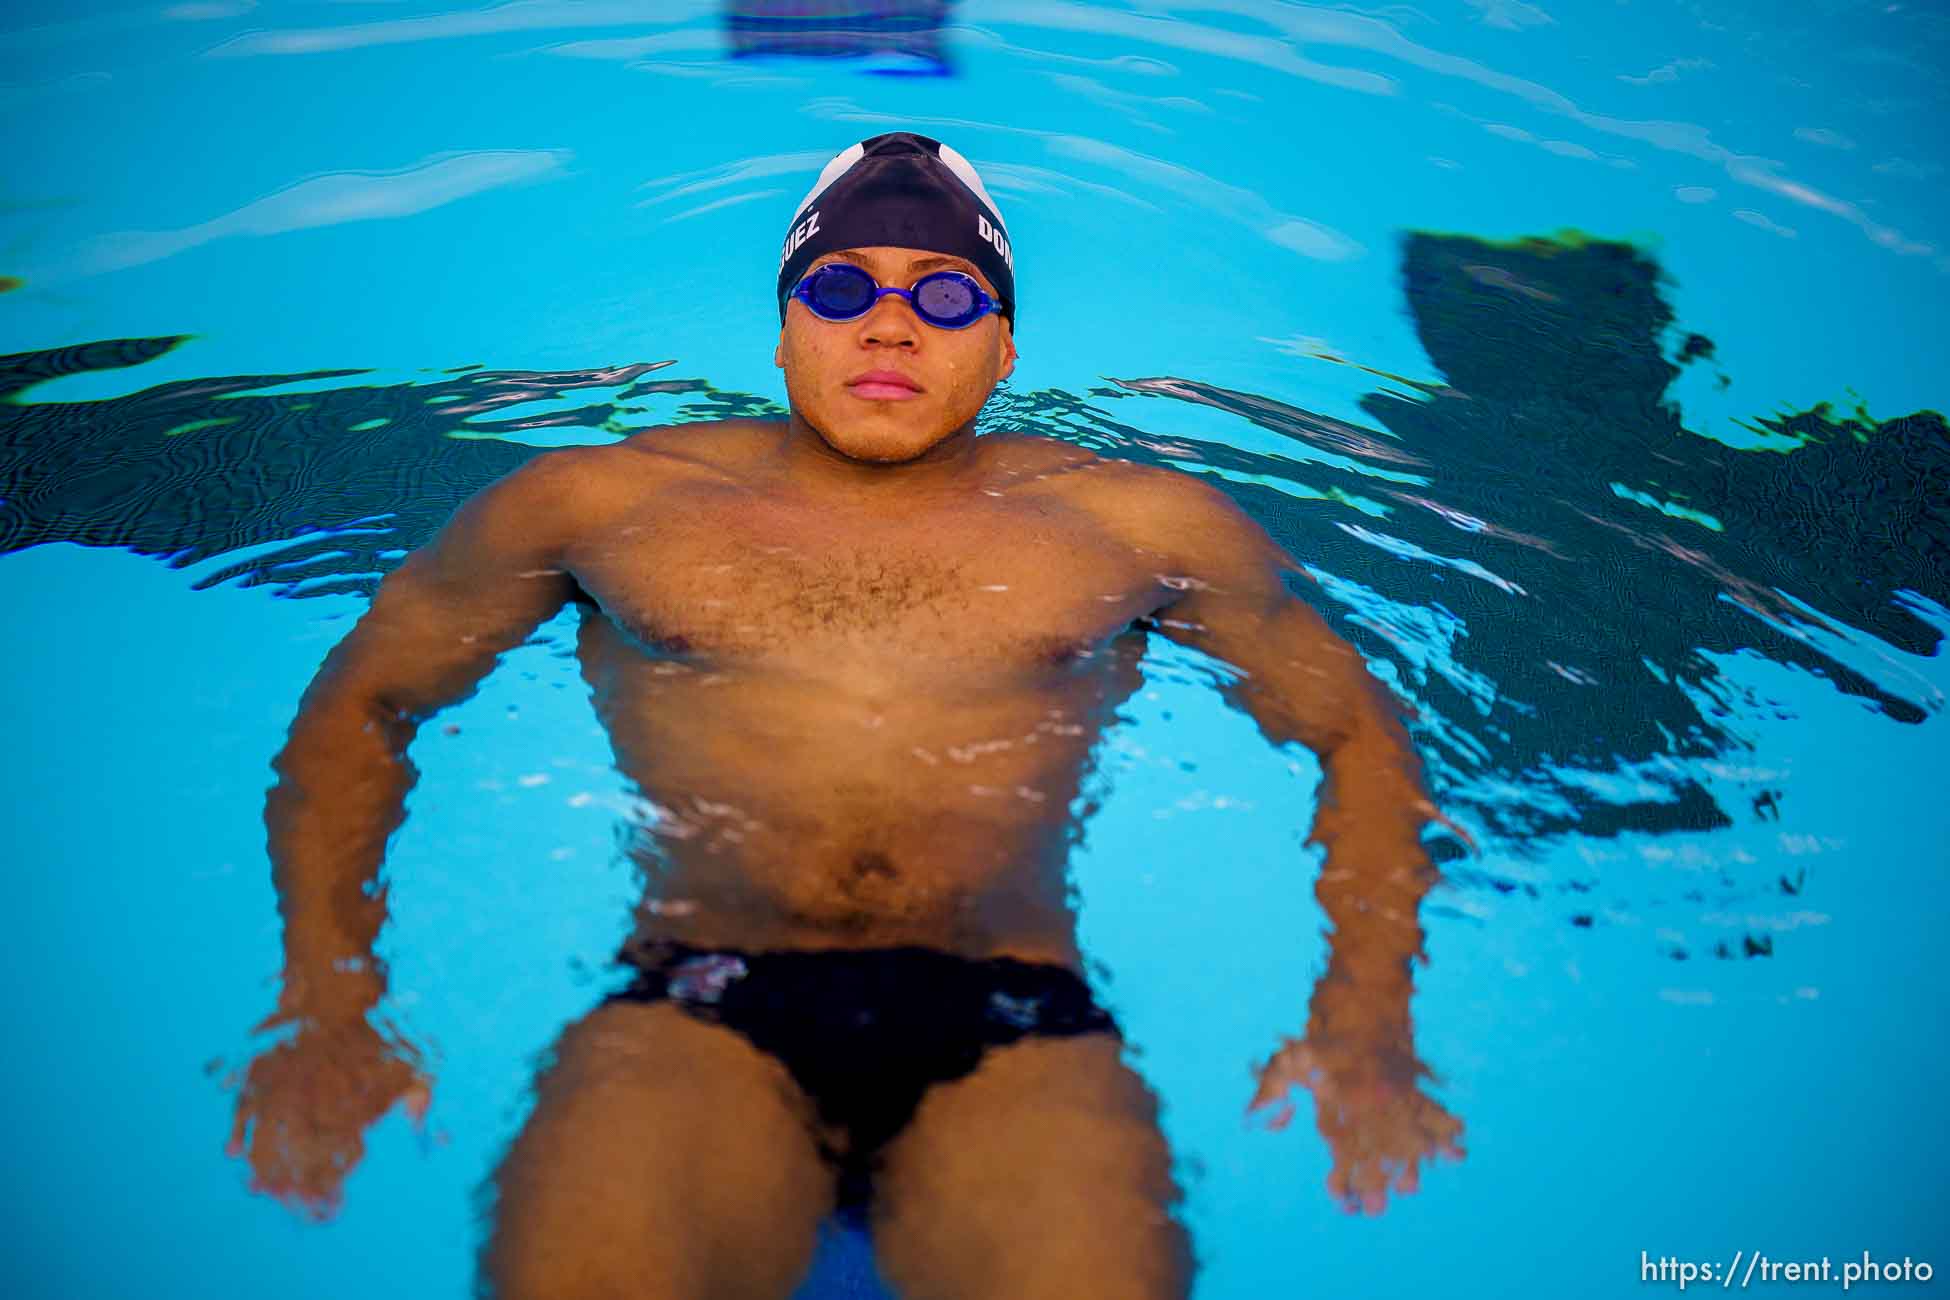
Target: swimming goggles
948, 300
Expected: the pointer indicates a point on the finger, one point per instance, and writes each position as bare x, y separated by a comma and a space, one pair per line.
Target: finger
239, 1131
1337, 1188
1446, 1137
272, 1180
1353, 1202
1269, 1093
279, 1017
316, 1206
1346, 1184
1270, 1111
418, 1100
1291, 1060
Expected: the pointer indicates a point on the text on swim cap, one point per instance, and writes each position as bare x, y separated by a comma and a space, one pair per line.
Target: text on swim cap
800, 234
990, 235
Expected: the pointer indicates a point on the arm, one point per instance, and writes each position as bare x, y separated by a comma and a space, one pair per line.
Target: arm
1302, 683
433, 631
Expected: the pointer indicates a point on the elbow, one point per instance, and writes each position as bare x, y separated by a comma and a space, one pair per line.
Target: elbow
338, 725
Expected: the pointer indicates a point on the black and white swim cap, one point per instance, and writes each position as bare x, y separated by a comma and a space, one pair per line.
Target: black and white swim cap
903, 191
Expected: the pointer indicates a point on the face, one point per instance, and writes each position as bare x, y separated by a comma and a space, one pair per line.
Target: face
888, 387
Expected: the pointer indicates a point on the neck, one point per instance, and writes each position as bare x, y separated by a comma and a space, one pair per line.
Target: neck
807, 458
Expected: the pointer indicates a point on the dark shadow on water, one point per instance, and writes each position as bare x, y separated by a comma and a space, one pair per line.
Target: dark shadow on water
1536, 544
351, 476
1549, 619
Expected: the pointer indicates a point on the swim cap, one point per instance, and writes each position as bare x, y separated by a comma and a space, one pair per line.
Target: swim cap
900, 190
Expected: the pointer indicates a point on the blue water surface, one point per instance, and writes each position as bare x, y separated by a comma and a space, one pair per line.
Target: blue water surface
1220, 191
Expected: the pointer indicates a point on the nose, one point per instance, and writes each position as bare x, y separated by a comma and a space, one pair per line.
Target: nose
891, 324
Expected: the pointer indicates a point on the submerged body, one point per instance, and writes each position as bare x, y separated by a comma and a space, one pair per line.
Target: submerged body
856, 661
862, 706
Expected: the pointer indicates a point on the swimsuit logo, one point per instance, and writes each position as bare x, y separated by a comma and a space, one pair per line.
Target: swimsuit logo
1022, 1013
990, 235
704, 979
800, 234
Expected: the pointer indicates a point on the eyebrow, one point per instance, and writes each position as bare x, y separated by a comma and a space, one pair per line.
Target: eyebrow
918, 264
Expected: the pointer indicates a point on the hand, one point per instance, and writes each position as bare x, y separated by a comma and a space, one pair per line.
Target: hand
1370, 1107
305, 1105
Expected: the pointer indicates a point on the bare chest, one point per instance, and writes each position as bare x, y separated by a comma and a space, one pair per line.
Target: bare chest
729, 576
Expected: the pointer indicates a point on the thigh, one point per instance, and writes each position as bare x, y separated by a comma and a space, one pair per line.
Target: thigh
1044, 1173
664, 1158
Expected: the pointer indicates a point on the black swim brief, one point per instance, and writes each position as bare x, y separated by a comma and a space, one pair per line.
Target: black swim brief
865, 1032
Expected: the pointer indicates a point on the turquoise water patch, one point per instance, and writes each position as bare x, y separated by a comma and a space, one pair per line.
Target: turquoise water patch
1579, 355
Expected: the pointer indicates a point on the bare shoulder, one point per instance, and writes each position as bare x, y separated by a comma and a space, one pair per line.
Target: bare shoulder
1179, 515
1091, 476
558, 497
1083, 478
589, 483
728, 447
570, 483
1017, 453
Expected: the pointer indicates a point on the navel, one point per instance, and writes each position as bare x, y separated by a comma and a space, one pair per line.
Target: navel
873, 865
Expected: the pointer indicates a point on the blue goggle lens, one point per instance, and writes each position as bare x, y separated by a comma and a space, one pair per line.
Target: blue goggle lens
839, 292
948, 296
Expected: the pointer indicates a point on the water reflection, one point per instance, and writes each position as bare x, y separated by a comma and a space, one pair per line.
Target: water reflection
902, 37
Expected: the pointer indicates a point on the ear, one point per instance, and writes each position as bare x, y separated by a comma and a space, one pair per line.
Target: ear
778, 353
1008, 353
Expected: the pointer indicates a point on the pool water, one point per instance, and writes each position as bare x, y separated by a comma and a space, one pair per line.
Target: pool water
1584, 355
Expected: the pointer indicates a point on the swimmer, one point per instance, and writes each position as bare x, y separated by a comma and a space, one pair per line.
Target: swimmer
858, 660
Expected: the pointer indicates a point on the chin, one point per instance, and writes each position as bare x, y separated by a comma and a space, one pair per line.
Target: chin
882, 452
883, 446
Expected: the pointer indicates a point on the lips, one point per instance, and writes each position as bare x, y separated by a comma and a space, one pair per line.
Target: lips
883, 386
